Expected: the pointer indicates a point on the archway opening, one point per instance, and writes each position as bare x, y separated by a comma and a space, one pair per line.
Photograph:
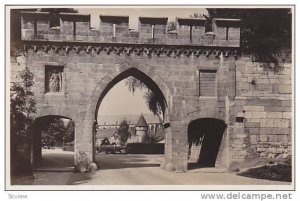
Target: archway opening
53, 143
128, 133
204, 138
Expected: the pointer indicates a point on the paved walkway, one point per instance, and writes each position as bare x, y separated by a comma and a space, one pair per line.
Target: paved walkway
133, 169
57, 169
144, 170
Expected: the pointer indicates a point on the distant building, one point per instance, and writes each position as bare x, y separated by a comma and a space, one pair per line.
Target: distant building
108, 125
141, 130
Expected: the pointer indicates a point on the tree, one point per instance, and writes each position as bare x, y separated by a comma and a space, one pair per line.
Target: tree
70, 132
208, 24
134, 83
123, 132
265, 33
154, 101
22, 109
54, 12
22, 103
56, 132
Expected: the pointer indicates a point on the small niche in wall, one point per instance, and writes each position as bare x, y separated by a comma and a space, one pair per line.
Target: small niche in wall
54, 79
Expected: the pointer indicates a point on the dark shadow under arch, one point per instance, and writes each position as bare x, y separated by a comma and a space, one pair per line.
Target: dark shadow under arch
207, 133
139, 75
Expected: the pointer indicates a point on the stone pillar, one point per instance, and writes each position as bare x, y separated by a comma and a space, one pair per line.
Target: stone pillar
176, 147
223, 157
168, 146
84, 143
180, 145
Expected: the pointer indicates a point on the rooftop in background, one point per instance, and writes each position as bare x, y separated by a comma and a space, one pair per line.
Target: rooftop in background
131, 119
141, 122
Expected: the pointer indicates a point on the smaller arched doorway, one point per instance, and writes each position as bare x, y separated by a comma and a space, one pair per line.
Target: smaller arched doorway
204, 137
53, 142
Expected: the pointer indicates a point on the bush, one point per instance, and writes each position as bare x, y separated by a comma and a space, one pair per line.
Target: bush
110, 149
145, 148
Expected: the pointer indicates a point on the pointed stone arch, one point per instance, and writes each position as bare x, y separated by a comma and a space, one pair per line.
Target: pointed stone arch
144, 73
124, 70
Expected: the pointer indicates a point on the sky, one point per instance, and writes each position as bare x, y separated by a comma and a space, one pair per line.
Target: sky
136, 12
119, 100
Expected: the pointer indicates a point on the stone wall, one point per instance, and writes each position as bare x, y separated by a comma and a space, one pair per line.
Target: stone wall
177, 78
264, 101
255, 104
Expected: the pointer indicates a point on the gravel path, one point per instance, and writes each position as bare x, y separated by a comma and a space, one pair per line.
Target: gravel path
133, 169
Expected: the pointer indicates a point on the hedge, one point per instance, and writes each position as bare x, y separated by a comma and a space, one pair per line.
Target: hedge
110, 149
145, 148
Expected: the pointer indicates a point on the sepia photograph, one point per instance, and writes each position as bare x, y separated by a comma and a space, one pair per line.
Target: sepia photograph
149, 97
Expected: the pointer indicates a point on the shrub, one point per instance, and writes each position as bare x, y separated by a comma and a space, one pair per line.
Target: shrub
145, 148
110, 149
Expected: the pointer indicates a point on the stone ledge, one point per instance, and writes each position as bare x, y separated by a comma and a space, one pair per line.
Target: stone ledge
128, 48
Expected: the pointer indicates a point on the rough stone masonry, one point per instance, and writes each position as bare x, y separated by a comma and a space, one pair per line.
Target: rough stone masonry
201, 75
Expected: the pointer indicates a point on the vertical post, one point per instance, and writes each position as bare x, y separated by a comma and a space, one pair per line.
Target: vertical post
199, 88
74, 30
227, 132
191, 33
227, 33
35, 29
152, 29
95, 125
114, 30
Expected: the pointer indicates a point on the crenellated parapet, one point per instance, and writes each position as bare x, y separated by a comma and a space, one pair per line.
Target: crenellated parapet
115, 29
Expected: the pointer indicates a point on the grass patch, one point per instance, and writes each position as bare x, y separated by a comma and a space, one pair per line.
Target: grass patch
276, 172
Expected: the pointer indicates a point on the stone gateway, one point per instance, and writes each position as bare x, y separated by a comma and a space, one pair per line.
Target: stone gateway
240, 111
